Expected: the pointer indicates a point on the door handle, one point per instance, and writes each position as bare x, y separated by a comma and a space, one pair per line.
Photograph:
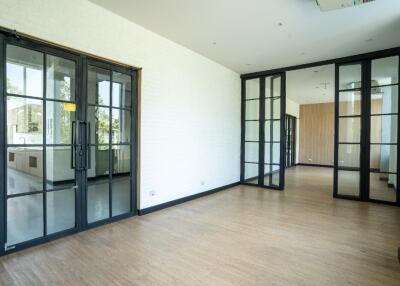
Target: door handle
73, 129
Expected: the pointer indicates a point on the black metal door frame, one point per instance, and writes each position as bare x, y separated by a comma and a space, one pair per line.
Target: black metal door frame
261, 142
80, 134
290, 140
365, 132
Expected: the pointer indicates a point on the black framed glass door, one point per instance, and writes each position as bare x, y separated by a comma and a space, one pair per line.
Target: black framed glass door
290, 140
366, 141
68, 142
263, 133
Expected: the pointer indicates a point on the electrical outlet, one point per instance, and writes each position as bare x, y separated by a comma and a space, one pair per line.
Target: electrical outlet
152, 193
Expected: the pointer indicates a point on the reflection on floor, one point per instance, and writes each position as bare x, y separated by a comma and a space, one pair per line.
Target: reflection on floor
25, 213
348, 181
242, 236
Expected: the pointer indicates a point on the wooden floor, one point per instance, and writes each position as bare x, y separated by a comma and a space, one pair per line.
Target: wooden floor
242, 236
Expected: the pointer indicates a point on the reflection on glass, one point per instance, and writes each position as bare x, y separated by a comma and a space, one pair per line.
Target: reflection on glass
24, 71
251, 152
382, 187
276, 108
60, 78
59, 123
252, 131
253, 88
99, 117
273, 148
349, 183
385, 71
349, 130
384, 129
384, 100
349, 155
59, 172
98, 181
251, 173
24, 170
121, 187
60, 207
122, 90
276, 86
252, 109
383, 158
272, 108
24, 120
349, 103
121, 126
24, 218
350, 76
271, 177
98, 86
276, 131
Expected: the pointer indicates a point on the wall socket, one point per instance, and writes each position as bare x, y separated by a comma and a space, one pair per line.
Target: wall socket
152, 193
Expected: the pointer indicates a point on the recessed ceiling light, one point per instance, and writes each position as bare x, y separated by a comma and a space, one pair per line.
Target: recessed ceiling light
369, 40
248, 64
302, 54
214, 43
279, 24
316, 71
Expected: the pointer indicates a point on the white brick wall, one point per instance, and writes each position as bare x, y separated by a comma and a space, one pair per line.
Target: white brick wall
190, 104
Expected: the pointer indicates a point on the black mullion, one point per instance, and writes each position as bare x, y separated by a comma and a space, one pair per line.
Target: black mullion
271, 131
336, 137
350, 89
383, 114
251, 99
3, 137
24, 96
106, 106
365, 130
282, 145
384, 85
44, 145
25, 194
110, 151
398, 136
261, 136
133, 141
350, 116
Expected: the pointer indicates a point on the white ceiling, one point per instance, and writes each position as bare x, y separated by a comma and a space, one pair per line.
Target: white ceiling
247, 35
312, 85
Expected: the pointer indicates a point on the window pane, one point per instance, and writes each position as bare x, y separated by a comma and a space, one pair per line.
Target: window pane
252, 109
383, 158
24, 120
349, 103
60, 78
60, 207
251, 152
349, 130
98, 86
276, 131
384, 129
252, 131
121, 90
99, 117
350, 76
24, 218
59, 123
98, 181
121, 126
275, 149
253, 88
24, 71
277, 108
384, 100
271, 177
349, 155
349, 183
121, 184
59, 173
385, 71
382, 187
24, 170
251, 173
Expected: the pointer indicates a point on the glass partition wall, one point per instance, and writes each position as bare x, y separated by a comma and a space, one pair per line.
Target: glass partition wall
263, 119
67, 143
366, 149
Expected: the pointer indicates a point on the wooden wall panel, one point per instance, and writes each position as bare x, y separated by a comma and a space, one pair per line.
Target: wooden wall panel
317, 133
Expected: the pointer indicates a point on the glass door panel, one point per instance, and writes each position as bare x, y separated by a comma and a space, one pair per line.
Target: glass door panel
348, 130
252, 131
383, 129
41, 183
272, 134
